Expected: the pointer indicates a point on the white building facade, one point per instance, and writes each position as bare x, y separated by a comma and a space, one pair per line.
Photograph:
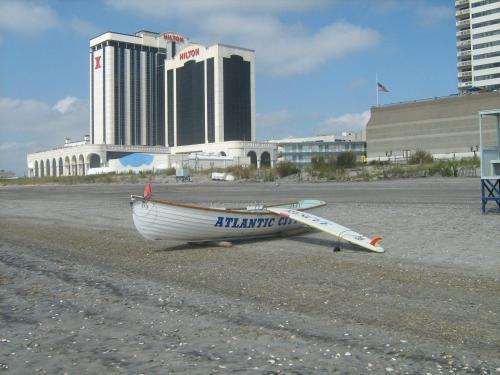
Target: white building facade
478, 44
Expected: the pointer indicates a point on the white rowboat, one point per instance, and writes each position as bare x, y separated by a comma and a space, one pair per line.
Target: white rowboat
162, 220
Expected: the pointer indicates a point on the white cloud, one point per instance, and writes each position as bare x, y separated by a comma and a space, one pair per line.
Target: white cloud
346, 122
32, 18
176, 8
31, 125
283, 49
65, 104
26, 17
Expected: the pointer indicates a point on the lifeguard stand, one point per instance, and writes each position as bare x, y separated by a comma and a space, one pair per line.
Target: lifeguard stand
489, 133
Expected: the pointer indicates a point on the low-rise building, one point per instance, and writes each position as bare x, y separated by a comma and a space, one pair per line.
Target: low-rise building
301, 151
81, 158
444, 126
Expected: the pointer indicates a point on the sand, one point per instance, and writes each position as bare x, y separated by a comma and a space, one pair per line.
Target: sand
82, 292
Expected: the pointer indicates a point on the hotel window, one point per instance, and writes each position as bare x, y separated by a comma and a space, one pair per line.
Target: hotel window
190, 104
237, 99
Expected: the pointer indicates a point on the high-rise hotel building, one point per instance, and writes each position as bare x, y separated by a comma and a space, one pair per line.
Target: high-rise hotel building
127, 87
210, 96
478, 44
157, 89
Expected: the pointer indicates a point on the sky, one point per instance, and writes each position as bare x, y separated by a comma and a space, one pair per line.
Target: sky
316, 60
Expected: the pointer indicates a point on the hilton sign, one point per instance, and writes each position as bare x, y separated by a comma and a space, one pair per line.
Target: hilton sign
189, 54
171, 37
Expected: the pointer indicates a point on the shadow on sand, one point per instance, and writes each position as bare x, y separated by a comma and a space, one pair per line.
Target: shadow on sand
217, 244
325, 243
329, 244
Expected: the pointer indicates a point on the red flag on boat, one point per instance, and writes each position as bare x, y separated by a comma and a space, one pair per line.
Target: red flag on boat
147, 191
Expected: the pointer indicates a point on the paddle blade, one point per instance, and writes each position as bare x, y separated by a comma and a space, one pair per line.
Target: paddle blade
376, 240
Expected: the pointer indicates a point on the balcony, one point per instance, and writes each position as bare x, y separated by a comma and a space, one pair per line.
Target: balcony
463, 23
463, 64
464, 53
461, 3
466, 74
465, 84
463, 43
462, 12
463, 33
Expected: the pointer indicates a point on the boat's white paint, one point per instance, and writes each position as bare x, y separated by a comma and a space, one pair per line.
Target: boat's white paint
157, 220
327, 226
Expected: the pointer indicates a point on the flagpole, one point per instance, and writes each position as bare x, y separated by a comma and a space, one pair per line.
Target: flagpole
376, 86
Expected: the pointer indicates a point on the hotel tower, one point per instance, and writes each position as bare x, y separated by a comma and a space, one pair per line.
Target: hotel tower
155, 89
478, 44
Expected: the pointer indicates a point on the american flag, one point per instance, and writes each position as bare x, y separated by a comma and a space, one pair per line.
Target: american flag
381, 87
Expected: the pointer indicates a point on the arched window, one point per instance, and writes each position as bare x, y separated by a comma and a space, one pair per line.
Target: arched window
94, 160
253, 158
265, 159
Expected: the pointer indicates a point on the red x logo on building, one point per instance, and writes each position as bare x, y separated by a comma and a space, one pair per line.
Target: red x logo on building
98, 62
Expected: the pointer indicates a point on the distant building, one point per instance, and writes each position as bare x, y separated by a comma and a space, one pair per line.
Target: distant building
301, 151
127, 88
478, 44
447, 125
210, 95
7, 174
77, 158
158, 93
155, 89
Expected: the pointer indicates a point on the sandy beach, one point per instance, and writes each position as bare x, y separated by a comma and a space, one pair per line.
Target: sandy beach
82, 292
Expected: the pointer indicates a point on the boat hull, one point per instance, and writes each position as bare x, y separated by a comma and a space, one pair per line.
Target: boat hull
167, 221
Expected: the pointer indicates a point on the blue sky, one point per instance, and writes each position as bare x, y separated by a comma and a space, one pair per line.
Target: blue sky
316, 60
